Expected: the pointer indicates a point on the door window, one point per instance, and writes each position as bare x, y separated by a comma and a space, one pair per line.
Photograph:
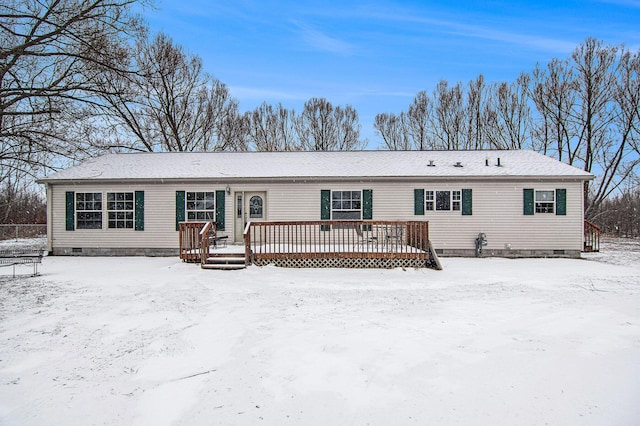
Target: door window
255, 207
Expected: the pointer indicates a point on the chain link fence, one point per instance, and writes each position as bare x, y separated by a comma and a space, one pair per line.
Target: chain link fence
22, 231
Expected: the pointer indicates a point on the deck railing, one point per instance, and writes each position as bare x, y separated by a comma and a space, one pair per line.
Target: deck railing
337, 239
191, 241
591, 237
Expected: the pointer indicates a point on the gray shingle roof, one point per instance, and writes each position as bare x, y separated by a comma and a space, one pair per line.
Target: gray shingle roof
331, 165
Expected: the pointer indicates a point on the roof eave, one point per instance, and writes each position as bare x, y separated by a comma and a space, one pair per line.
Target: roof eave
229, 179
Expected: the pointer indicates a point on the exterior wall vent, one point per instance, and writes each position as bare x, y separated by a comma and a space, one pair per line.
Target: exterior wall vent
431, 164
458, 164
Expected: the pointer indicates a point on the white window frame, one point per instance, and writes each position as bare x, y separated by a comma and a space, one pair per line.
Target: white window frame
456, 200
346, 205
430, 200
199, 207
120, 210
544, 206
454, 203
85, 208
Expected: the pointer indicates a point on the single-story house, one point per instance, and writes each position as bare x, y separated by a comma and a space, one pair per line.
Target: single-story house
525, 203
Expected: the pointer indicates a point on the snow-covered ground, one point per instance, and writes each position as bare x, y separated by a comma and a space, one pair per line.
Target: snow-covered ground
153, 341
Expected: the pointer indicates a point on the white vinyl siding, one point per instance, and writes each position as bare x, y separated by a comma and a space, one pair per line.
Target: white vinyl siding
497, 211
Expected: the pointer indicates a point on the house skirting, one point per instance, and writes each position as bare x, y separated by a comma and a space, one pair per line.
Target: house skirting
574, 254
323, 263
102, 251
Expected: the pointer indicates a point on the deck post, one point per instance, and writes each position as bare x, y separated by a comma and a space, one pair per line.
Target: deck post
247, 244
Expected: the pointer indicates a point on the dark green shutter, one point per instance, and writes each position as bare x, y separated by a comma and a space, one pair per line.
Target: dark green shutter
70, 211
367, 207
418, 202
179, 208
561, 202
325, 207
220, 197
139, 212
528, 201
367, 204
467, 203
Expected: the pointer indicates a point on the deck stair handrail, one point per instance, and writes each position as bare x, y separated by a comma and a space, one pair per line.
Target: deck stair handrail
246, 235
206, 232
591, 237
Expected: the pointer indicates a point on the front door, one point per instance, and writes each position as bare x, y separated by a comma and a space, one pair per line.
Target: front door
249, 207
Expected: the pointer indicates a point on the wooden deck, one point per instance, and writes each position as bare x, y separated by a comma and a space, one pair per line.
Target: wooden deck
359, 244
355, 244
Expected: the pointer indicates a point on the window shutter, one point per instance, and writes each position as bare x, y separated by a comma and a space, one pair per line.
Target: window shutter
70, 216
179, 208
325, 207
220, 198
561, 202
528, 201
467, 204
367, 207
367, 204
139, 212
418, 202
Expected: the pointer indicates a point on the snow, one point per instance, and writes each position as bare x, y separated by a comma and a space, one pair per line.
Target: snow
304, 166
153, 341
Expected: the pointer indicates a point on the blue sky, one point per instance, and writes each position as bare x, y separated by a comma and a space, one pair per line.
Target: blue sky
376, 55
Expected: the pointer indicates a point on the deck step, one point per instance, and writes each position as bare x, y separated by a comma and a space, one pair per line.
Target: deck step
225, 261
222, 266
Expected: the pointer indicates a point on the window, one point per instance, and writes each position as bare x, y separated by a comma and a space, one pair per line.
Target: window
89, 210
456, 197
428, 196
200, 206
459, 200
255, 207
545, 201
120, 210
346, 205
443, 200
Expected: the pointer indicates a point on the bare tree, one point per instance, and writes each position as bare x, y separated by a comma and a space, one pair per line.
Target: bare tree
392, 129
595, 71
508, 119
233, 132
448, 121
182, 104
272, 129
166, 102
615, 157
47, 50
323, 127
476, 113
417, 121
595, 76
554, 93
